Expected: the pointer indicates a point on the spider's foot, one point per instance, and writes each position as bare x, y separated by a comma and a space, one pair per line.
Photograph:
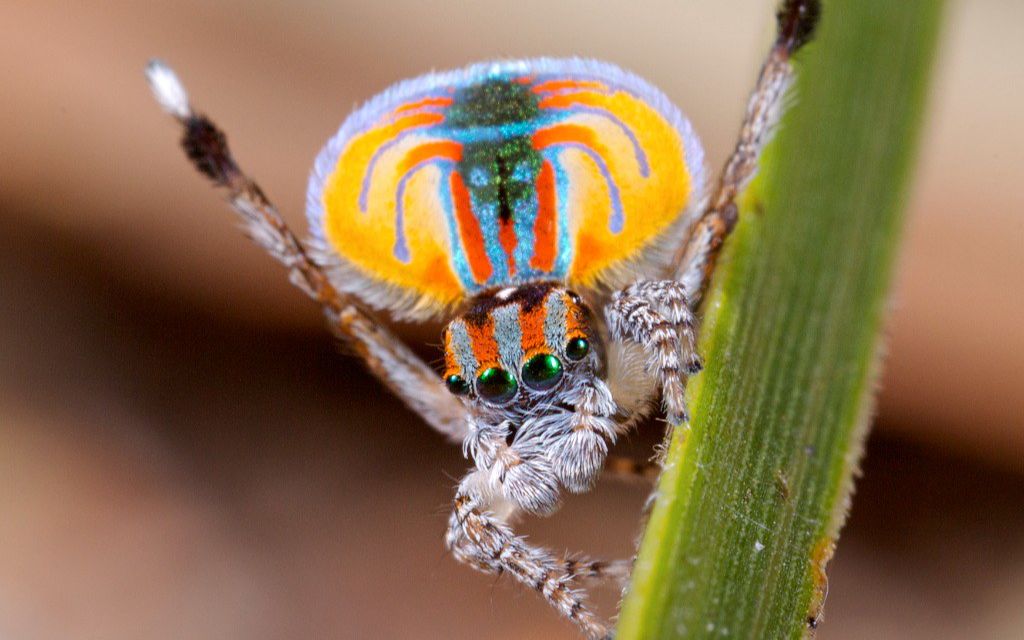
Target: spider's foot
797, 21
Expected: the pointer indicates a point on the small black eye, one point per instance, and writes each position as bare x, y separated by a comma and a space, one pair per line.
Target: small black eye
577, 348
542, 371
457, 384
496, 385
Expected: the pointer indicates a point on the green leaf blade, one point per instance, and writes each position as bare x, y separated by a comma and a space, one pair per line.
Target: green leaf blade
755, 490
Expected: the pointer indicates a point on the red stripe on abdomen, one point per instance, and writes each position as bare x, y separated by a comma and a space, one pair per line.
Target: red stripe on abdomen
558, 85
563, 133
469, 231
442, 149
425, 102
545, 230
508, 240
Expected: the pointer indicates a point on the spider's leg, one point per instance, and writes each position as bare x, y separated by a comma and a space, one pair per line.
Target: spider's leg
479, 536
552, 449
695, 260
405, 374
581, 568
578, 454
669, 298
657, 316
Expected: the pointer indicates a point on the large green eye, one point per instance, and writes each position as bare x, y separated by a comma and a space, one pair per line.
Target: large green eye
577, 348
542, 371
496, 385
457, 384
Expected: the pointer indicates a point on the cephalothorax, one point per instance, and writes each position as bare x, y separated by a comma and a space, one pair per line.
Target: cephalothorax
554, 213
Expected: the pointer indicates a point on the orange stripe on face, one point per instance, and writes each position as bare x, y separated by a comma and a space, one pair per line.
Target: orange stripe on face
557, 85
425, 102
431, 150
562, 133
469, 230
531, 324
545, 231
451, 365
485, 347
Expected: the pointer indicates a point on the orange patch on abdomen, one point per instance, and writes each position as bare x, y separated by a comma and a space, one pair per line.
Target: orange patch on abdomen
561, 133
558, 85
425, 102
429, 151
589, 251
563, 100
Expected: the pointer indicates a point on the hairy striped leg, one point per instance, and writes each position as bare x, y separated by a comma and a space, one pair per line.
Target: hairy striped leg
578, 456
694, 261
656, 315
523, 468
405, 374
479, 536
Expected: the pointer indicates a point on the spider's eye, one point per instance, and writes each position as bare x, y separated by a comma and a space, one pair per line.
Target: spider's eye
577, 348
496, 385
542, 371
457, 384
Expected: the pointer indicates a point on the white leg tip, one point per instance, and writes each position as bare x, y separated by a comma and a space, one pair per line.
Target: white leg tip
167, 89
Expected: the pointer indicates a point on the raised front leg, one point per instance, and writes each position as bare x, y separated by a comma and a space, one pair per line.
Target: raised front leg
694, 262
385, 356
656, 315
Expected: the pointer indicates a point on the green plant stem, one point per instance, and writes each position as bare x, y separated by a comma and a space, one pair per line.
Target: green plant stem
756, 488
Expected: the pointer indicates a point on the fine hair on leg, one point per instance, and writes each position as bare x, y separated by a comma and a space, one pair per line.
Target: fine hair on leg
401, 370
694, 261
656, 315
479, 536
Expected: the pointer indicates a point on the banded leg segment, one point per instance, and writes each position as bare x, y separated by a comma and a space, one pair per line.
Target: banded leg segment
581, 568
578, 457
405, 374
694, 262
657, 316
481, 539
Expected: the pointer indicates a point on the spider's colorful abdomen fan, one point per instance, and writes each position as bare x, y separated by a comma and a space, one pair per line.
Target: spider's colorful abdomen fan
500, 174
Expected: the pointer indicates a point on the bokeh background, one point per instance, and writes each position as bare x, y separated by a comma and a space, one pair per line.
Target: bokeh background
183, 453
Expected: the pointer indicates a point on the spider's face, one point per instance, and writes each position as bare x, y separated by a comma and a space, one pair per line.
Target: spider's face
519, 350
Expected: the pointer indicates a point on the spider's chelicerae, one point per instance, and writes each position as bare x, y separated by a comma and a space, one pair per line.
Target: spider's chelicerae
554, 212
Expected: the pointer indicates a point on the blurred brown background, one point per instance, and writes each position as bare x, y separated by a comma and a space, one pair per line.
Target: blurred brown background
183, 453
